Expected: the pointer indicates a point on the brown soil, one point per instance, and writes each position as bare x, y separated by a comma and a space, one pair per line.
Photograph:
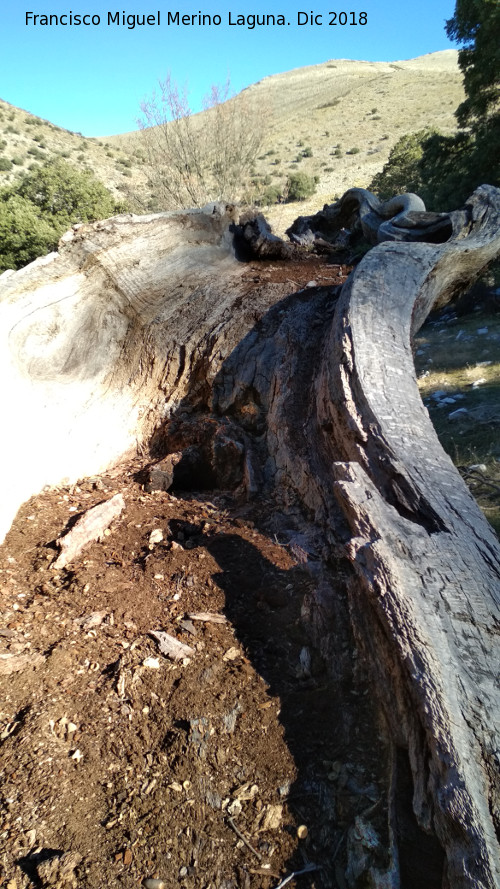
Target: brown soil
198, 773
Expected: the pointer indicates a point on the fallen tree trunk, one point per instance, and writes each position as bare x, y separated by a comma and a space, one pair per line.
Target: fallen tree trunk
140, 321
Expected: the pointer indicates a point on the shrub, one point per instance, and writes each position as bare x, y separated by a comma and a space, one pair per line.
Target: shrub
301, 186
5, 164
24, 234
18, 160
308, 152
67, 195
42, 205
193, 164
10, 129
272, 195
401, 172
353, 151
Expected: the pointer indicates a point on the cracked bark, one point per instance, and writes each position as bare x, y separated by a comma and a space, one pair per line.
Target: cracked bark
156, 317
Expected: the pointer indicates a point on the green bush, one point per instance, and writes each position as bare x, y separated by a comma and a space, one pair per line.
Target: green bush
5, 164
43, 204
24, 234
18, 160
272, 195
301, 186
35, 152
401, 173
308, 152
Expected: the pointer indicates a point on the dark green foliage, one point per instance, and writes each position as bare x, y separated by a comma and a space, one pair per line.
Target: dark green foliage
402, 171
476, 26
308, 152
24, 234
42, 205
444, 170
271, 195
301, 186
35, 152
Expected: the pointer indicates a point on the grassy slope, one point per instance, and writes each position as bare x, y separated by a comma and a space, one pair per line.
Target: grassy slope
336, 106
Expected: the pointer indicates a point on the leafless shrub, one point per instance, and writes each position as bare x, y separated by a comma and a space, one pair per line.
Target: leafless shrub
196, 158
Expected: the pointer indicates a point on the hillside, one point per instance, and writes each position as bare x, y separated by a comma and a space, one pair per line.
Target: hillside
348, 113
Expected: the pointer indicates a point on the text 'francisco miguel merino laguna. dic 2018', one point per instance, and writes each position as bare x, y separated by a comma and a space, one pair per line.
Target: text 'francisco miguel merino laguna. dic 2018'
196, 19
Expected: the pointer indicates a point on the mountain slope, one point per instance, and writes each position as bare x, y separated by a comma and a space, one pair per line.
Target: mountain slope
349, 114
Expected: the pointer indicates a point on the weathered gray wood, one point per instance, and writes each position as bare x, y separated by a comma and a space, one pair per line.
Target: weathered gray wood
138, 320
100, 340
346, 426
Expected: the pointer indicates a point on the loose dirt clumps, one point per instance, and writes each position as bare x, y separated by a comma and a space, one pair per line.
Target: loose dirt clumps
231, 767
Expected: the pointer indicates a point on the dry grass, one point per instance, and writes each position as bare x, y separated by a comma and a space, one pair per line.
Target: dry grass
330, 108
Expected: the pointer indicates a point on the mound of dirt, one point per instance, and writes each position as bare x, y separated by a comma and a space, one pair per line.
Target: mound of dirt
234, 766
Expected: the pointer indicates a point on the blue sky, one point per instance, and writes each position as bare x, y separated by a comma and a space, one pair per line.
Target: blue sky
92, 79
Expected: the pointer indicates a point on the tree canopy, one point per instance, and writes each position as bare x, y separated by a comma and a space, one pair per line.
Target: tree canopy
444, 170
476, 26
35, 211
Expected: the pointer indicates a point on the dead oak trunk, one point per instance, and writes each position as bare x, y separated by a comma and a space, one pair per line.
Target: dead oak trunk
137, 320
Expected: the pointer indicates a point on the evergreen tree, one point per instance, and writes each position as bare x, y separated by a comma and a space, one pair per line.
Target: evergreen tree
35, 211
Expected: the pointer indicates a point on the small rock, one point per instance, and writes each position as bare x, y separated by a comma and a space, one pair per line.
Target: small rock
153, 663
478, 383
156, 536
127, 857
273, 817
302, 832
231, 654
482, 330
59, 871
235, 808
460, 412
